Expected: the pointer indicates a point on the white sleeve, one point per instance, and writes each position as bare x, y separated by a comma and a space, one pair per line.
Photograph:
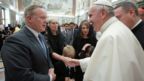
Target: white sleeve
84, 63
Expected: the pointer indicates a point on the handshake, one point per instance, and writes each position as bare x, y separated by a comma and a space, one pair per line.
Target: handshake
67, 60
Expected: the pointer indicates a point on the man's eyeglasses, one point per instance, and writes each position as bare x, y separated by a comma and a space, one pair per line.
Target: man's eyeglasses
42, 17
54, 22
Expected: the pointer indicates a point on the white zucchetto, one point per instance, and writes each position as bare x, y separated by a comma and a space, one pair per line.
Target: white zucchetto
103, 2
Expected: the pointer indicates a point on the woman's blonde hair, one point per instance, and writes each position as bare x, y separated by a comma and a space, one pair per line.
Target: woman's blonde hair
69, 51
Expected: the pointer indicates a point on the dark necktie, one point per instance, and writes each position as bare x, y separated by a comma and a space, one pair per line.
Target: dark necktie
41, 41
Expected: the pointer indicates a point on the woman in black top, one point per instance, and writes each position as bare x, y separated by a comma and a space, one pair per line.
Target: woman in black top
84, 36
55, 38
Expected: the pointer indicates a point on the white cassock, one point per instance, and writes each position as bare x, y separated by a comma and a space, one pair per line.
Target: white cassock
118, 55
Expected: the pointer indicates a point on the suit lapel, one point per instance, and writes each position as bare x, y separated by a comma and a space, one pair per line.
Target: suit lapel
34, 41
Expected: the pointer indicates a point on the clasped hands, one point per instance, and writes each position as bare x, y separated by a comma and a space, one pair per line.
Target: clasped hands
67, 60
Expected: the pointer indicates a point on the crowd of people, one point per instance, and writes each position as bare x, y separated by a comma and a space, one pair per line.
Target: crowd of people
7, 31
80, 38
107, 47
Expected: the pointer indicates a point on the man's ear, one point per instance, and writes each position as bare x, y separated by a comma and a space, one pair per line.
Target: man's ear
131, 12
28, 18
103, 14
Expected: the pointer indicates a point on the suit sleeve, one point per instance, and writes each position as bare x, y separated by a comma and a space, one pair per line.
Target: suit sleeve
49, 55
18, 63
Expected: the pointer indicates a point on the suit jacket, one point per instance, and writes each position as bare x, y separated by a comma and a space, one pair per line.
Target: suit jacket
24, 59
139, 33
68, 34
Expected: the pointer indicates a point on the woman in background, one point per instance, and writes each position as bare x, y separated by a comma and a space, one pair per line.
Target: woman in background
85, 35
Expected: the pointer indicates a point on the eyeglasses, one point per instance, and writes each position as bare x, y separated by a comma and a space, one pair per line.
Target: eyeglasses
54, 22
41, 17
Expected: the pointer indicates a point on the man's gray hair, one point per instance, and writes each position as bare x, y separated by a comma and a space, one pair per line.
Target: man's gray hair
126, 6
29, 10
108, 9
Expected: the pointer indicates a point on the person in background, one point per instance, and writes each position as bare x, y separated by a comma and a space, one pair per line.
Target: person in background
55, 37
85, 35
141, 9
25, 54
127, 12
118, 55
17, 28
62, 28
68, 33
66, 73
2, 36
73, 25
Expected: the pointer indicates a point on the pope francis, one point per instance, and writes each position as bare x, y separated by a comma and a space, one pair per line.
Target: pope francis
118, 55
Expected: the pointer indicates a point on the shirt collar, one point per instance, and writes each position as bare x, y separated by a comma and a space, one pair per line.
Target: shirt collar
107, 23
33, 31
105, 26
136, 23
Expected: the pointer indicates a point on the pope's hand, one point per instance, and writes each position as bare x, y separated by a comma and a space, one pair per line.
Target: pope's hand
68, 61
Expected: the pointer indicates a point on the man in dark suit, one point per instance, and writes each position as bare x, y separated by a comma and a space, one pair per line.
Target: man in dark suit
127, 13
25, 54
